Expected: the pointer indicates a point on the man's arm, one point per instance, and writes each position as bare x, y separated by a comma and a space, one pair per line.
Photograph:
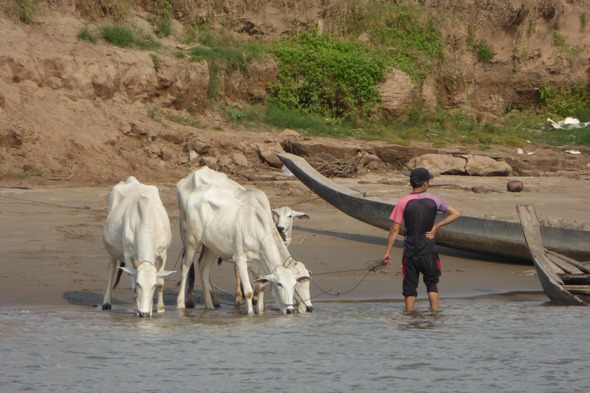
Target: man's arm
451, 215
393, 232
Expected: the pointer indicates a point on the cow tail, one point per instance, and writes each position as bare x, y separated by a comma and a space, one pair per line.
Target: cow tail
119, 274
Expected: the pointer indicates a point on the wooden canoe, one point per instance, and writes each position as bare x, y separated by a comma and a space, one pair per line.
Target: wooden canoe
564, 280
494, 237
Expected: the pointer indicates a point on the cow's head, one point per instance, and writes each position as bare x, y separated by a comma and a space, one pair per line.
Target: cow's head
283, 219
302, 294
283, 281
144, 278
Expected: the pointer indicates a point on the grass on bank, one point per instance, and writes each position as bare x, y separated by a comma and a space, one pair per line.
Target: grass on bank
441, 129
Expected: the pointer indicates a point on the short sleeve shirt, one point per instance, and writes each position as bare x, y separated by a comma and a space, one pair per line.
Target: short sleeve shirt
417, 211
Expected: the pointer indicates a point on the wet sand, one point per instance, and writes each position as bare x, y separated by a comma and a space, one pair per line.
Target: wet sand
52, 252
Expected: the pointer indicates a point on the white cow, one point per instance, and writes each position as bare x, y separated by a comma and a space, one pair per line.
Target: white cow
137, 234
283, 218
231, 229
253, 197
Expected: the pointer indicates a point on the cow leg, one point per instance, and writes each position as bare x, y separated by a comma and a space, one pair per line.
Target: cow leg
259, 295
189, 254
112, 270
239, 294
206, 260
160, 289
190, 287
211, 289
247, 287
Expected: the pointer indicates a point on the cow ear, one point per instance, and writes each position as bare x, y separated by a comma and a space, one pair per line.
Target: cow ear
301, 215
302, 279
126, 270
263, 281
159, 262
165, 273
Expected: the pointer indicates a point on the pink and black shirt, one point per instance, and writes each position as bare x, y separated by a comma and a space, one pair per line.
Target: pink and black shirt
417, 211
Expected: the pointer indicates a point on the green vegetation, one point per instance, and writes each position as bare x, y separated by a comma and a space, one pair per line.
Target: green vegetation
327, 81
480, 48
22, 10
411, 39
164, 26
87, 35
225, 53
564, 101
322, 75
483, 51
558, 39
156, 61
27, 172
125, 37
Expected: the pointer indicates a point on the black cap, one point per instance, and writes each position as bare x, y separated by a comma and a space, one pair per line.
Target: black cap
418, 176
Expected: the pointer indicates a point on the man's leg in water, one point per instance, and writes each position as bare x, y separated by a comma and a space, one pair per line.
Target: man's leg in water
433, 299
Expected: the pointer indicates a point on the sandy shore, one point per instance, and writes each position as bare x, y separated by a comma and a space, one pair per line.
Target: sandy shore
52, 252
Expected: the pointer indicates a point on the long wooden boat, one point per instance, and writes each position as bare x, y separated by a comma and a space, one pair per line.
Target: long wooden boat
564, 280
494, 237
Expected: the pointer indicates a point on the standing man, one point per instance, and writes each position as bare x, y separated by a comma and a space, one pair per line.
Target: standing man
418, 212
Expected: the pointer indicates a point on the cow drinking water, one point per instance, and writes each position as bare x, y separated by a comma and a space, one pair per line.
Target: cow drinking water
137, 234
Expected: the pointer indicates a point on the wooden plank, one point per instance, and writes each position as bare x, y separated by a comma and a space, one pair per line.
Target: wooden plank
578, 289
576, 279
564, 265
578, 267
531, 229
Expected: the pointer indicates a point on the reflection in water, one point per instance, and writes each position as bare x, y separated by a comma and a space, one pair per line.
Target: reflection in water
419, 320
485, 344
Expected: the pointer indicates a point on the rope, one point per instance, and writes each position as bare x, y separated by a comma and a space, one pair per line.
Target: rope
304, 201
20, 200
370, 266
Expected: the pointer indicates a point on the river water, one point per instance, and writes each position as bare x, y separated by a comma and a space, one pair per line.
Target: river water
504, 343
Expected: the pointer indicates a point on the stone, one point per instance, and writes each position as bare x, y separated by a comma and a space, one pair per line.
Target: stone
515, 186
396, 94
478, 165
239, 159
268, 153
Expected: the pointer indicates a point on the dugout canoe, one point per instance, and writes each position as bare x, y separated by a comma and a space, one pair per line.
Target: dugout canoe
499, 238
565, 281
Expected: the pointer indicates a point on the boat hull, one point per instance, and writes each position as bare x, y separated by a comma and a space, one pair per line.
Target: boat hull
494, 237
545, 263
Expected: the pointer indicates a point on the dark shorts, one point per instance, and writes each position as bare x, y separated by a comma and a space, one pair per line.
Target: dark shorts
428, 265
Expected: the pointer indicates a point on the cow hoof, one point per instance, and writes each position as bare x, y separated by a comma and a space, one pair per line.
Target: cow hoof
106, 306
217, 305
189, 304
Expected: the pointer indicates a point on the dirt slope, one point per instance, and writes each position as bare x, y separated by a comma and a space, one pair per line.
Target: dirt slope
94, 114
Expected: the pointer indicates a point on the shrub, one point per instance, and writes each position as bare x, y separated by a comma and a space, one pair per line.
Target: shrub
164, 26
322, 75
483, 51
564, 101
413, 41
23, 10
118, 35
86, 35
125, 37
